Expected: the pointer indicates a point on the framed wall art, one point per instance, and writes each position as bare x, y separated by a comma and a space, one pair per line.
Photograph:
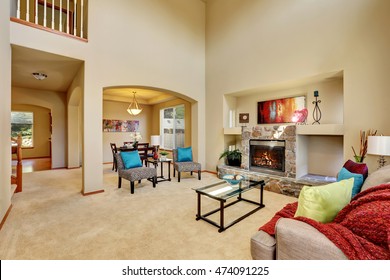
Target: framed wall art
280, 110
243, 117
120, 126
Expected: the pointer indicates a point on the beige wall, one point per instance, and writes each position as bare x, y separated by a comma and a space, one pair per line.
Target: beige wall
330, 94
117, 111
5, 109
41, 130
155, 43
256, 43
55, 101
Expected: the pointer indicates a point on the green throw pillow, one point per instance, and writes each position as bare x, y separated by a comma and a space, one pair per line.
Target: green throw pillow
131, 159
322, 203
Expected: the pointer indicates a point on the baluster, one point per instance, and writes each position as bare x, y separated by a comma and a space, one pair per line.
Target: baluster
67, 17
75, 18
60, 20
36, 12
44, 13
18, 10
81, 19
28, 10
52, 14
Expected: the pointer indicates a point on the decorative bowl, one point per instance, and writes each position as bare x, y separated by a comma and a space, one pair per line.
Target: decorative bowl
233, 179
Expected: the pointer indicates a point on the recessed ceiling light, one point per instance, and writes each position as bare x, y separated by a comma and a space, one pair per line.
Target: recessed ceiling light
39, 76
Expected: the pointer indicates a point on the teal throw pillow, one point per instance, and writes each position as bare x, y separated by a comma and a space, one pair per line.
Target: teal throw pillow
323, 203
357, 183
131, 159
184, 154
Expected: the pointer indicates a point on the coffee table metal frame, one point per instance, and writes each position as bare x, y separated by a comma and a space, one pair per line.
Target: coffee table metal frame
237, 191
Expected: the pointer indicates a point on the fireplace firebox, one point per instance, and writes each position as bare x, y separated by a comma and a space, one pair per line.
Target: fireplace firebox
267, 155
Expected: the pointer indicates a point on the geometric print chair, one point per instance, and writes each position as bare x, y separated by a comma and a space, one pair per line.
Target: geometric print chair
134, 174
182, 162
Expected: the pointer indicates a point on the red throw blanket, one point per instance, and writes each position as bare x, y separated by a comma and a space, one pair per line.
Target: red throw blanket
361, 229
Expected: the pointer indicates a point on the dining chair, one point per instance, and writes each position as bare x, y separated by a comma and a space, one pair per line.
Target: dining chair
114, 151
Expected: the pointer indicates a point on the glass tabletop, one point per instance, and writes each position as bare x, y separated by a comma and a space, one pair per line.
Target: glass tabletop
223, 190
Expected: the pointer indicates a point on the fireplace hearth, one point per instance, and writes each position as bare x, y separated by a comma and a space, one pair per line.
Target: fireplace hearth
267, 155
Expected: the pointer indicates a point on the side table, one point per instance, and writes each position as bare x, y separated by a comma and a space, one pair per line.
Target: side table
156, 162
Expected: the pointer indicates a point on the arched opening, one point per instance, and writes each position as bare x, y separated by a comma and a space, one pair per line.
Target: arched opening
34, 123
153, 102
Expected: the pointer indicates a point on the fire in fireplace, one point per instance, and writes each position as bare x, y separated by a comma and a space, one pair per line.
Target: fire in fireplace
267, 154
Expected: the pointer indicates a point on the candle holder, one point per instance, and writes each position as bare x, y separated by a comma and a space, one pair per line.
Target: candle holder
317, 111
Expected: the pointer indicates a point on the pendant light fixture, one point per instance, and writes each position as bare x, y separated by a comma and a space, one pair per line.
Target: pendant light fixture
133, 108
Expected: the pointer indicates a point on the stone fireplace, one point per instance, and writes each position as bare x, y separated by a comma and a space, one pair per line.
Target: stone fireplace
270, 150
258, 162
267, 155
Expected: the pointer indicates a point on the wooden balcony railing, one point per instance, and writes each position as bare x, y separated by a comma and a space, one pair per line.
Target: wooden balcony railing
59, 16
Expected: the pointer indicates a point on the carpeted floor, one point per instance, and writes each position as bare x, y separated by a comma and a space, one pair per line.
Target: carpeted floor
50, 219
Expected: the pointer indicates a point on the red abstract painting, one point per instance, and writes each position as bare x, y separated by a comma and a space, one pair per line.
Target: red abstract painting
280, 110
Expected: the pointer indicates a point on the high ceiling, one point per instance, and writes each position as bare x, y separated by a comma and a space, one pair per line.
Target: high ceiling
61, 70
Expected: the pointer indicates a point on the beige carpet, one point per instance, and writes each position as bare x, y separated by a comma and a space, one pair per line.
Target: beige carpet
50, 219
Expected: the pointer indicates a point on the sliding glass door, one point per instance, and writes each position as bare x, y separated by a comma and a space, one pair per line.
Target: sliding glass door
172, 127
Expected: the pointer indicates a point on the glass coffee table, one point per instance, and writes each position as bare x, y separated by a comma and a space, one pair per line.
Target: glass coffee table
222, 191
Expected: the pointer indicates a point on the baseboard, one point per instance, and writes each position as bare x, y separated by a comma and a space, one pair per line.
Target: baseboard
5, 216
211, 172
91, 193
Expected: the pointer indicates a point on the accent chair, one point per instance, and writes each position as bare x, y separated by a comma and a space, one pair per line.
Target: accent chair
134, 174
182, 162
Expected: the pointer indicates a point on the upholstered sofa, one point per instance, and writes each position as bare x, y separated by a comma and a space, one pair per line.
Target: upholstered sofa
299, 240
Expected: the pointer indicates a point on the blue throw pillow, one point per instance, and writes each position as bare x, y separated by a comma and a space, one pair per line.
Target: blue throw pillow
357, 183
184, 154
131, 159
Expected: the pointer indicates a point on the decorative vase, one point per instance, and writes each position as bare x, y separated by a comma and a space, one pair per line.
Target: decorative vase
359, 159
155, 156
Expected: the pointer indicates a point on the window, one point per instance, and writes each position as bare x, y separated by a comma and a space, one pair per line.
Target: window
22, 123
172, 127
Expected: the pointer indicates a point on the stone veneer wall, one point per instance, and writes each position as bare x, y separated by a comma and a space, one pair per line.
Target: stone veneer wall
282, 132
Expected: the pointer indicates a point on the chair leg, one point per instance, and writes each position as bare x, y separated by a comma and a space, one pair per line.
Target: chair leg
154, 181
174, 172
139, 181
119, 182
131, 187
191, 173
178, 176
199, 174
